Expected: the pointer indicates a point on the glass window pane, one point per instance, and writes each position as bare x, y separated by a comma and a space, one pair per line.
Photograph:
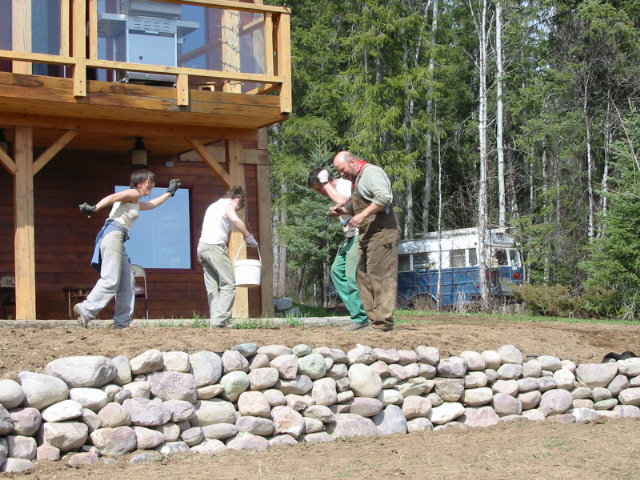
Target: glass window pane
161, 238
421, 261
458, 258
404, 263
473, 257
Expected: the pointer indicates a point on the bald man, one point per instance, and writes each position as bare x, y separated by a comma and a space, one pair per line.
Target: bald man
372, 213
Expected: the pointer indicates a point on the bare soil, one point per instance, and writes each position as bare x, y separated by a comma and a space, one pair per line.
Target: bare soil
604, 449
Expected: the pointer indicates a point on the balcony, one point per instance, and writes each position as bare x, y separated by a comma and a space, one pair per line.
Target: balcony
207, 69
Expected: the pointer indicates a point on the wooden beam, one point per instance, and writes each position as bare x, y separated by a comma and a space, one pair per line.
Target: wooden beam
24, 250
208, 157
240, 6
127, 127
53, 150
234, 154
8, 162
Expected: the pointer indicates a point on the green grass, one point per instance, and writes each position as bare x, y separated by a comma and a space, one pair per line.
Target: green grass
518, 317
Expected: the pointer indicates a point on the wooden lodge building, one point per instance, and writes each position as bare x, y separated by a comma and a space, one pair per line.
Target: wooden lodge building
90, 89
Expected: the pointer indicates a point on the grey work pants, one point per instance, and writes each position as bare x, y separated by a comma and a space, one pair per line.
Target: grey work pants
116, 280
219, 281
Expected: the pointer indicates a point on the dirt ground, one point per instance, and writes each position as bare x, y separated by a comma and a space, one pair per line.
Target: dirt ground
605, 449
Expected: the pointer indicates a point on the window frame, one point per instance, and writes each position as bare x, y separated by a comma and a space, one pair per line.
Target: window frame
192, 230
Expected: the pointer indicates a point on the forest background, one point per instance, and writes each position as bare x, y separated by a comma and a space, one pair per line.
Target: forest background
482, 112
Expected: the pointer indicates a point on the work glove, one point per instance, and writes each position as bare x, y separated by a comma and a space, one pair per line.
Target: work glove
87, 209
250, 241
323, 176
173, 186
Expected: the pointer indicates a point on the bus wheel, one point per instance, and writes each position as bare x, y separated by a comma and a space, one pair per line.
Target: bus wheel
424, 302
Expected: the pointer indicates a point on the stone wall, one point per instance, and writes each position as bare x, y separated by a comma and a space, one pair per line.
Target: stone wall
251, 397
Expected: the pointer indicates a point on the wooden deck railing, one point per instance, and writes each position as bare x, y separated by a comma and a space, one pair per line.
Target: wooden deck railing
79, 22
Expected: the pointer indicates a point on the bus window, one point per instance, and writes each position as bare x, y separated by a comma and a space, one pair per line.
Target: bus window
458, 258
500, 257
421, 261
404, 263
515, 258
473, 257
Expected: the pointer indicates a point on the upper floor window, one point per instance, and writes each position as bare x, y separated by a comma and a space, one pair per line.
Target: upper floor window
161, 238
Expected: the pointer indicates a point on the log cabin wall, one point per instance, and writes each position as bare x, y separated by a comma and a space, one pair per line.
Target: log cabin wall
64, 238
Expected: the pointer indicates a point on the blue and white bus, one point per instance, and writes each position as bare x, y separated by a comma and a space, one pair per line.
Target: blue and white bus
441, 268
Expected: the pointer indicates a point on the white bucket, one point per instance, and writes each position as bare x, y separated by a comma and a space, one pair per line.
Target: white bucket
248, 272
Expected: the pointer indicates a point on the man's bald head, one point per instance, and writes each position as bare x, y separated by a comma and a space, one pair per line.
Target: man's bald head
345, 164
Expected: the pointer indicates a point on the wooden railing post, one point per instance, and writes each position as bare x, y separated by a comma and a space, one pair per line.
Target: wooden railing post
283, 34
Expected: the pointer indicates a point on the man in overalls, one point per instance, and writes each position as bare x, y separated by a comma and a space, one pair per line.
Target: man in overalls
372, 213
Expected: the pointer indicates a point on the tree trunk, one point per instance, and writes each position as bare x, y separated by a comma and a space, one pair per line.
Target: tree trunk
502, 203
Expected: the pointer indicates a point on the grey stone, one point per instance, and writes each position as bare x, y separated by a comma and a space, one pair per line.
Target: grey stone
82, 371
596, 374
181, 410
147, 362
335, 354
262, 427
11, 394
91, 398
26, 421
210, 447
114, 415
313, 366
475, 360
349, 425
21, 447
206, 367
556, 401
61, 411
16, 465
147, 438
510, 354
146, 413
452, 367
171, 448
481, 417
233, 360
219, 431
273, 351
364, 381
248, 442
287, 420
446, 413
192, 436
66, 436
390, 420
42, 390
176, 362
298, 386
173, 386
246, 349
213, 411
123, 370
428, 355
114, 441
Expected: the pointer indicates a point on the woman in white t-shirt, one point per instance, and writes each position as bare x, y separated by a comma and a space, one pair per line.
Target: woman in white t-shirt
213, 254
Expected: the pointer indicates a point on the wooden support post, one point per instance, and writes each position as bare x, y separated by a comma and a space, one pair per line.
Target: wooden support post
264, 224
25, 265
236, 177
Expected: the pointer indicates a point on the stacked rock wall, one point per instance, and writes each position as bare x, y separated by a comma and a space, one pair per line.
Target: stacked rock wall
251, 397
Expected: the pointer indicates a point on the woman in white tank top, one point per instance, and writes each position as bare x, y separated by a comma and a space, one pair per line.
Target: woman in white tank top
110, 257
